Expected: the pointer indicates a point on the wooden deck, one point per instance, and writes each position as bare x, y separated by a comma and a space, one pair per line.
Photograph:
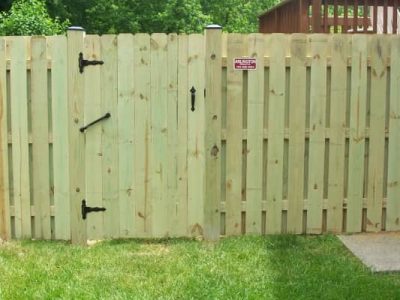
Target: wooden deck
331, 16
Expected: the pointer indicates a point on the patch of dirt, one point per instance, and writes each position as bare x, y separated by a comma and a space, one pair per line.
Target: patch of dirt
152, 250
4, 243
93, 242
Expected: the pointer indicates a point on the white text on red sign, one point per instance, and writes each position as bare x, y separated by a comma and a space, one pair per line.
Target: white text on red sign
245, 63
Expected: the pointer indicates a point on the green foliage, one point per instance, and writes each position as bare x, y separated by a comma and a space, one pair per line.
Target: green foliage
117, 16
184, 16
29, 17
237, 15
114, 16
73, 10
148, 14
111, 17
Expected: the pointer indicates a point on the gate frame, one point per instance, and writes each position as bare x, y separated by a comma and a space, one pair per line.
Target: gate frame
212, 138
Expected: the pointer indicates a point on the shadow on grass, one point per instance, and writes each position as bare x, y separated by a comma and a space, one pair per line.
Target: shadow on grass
320, 267
110, 242
39, 243
148, 241
244, 267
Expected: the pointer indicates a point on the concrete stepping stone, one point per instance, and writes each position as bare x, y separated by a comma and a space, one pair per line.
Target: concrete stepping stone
378, 251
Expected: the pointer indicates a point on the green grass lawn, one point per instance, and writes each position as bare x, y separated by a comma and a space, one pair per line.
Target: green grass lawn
274, 267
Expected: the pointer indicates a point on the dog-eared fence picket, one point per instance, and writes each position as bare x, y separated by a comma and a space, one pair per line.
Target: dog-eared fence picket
305, 141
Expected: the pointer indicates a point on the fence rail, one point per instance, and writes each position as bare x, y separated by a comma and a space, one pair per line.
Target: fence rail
306, 143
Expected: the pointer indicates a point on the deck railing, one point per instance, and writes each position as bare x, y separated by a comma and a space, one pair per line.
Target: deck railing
332, 16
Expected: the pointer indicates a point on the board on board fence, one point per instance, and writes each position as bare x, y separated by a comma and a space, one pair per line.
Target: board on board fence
304, 141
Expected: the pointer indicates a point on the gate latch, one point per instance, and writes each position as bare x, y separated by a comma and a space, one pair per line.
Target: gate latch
84, 62
86, 209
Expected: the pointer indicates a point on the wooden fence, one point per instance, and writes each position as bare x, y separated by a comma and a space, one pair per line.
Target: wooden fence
308, 142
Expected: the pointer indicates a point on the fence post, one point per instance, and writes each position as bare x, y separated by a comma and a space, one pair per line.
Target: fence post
4, 192
213, 70
76, 139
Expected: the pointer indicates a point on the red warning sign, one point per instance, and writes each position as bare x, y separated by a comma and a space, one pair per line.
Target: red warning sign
245, 63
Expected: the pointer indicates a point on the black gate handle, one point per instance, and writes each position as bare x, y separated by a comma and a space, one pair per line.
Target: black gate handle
106, 116
193, 92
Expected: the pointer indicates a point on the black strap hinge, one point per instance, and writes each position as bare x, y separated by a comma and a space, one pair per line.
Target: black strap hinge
86, 209
84, 62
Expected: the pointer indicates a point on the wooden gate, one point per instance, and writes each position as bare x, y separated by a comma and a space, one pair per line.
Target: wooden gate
145, 164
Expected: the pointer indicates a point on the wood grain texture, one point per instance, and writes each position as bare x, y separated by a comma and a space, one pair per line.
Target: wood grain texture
358, 107
213, 74
159, 110
297, 116
40, 138
126, 132
237, 47
93, 143
76, 140
393, 193
196, 130
317, 133
59, 98
19, 128
379, 52
172, 134
276, 125
339, 49
182, 147
5, 220
255, 128
109, 138
142, 73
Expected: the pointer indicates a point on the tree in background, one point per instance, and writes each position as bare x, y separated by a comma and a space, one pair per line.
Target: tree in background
5, 5
113, 16
237, 15
73, 10
117, 16
184, 16
29, 17
148, 12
